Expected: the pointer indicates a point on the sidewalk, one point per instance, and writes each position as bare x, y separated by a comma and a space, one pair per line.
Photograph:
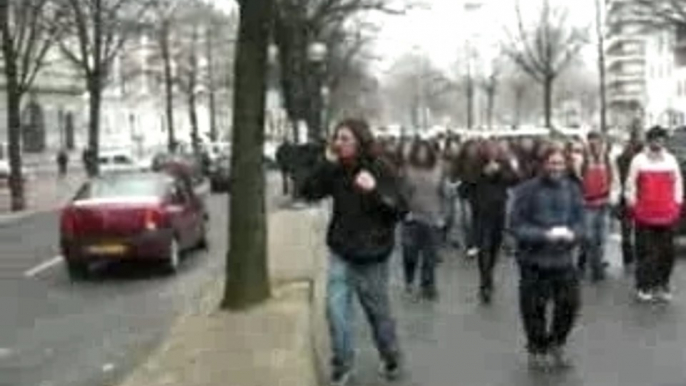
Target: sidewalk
43, 193
272, 344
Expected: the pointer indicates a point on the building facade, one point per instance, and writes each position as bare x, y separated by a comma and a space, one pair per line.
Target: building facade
51, 110
625, 60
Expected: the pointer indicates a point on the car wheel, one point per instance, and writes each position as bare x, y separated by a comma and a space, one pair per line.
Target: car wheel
174, 258
77, 270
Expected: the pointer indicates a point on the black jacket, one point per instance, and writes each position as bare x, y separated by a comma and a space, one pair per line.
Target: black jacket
490, 191
362, 227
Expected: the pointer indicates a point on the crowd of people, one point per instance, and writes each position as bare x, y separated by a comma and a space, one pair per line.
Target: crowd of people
552, 199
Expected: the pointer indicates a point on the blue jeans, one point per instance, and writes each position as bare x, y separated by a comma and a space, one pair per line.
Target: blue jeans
596, 234
370, 283
420, 243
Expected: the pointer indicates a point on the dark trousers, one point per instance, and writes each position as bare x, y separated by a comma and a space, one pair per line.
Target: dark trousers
628, 245
420, 245
489, 228
655, 257
537, 288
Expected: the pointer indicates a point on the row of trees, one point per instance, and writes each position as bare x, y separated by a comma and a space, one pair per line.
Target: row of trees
542, 49
93, 35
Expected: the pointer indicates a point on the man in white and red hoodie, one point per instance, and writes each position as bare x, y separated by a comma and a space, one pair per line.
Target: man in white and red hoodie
654, 195
596, 174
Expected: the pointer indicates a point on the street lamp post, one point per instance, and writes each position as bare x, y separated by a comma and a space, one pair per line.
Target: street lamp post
316, 54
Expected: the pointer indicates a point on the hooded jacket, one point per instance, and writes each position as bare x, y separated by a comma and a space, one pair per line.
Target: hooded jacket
654, 189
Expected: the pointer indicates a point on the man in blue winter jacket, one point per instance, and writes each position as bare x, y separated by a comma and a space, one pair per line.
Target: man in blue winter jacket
547, 223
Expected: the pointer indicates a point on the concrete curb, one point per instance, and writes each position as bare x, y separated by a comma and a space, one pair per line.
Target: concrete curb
282, 334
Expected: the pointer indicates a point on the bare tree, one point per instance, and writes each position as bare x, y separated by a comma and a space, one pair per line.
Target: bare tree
490, 84
544, 51
414, 85
247, 276
28, 29
189, 79
298, 23
98, 30
601, 65
164, 18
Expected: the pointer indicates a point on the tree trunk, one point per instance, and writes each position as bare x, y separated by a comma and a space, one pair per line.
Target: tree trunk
470, 101
193, 117
601, 67
210, 86
548, 101
490, 105
247, 275
16, 180
168, 84
94, 82
95, 94
519, 95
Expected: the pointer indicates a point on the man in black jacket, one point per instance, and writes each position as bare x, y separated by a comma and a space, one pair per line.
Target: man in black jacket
548, 224
366, 208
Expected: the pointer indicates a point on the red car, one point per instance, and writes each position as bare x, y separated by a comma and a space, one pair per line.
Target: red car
141, 216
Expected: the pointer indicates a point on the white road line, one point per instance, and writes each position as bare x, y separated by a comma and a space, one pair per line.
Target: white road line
43, 266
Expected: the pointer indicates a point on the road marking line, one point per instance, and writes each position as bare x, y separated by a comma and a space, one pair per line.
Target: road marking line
43, 266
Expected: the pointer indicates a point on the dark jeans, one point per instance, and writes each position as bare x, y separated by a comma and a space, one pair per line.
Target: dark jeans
655, 257
593, 248
420, 244
489, 229
537, 288
628, 243
370, 283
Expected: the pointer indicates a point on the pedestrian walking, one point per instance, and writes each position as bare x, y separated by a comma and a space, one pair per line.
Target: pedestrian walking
490, 200
367, 205
596, 176
632, 148
422, 187
284, 159
62, 162
654, 194
548, 224
468, 171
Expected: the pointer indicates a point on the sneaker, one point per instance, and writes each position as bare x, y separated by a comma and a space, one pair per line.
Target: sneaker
472, 253
341, 377
645, 296
664, 295
560, 358
391, 370
538, 361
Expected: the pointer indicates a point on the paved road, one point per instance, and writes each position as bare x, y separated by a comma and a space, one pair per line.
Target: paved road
57, 333
457, 342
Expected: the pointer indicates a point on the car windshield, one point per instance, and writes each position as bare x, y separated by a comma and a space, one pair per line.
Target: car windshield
123, 186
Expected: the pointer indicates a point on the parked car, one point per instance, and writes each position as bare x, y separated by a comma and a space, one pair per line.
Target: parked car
220, 175
117, 161
127, 217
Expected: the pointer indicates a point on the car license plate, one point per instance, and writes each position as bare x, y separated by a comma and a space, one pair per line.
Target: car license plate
107, 249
